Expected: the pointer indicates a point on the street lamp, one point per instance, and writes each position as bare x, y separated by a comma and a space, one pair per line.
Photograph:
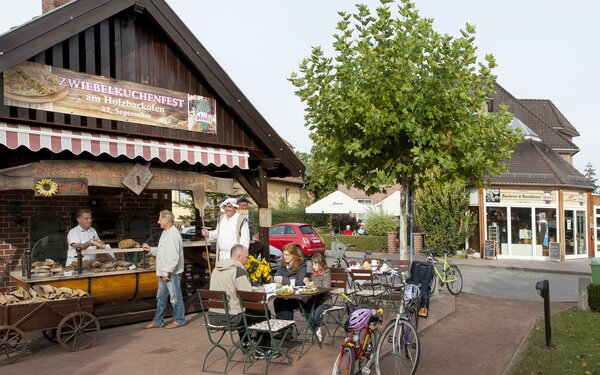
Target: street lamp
543, 289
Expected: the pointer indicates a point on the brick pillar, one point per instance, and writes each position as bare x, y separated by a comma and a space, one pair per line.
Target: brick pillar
391, 242
418, 243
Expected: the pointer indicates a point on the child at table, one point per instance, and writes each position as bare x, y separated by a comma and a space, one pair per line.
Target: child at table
292, 266
321, 277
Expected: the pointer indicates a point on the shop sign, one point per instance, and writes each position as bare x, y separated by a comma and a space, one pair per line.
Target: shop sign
514, 196
47, 186
44, 87
575, 198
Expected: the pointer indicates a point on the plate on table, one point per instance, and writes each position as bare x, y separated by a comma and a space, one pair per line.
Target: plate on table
309, 290
284, 291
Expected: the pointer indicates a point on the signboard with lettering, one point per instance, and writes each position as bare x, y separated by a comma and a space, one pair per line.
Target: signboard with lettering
74, 93
555, 251
575, 198
521, 196
60, 187
489, 249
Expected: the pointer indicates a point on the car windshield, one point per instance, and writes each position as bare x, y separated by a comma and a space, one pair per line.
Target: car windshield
307, 229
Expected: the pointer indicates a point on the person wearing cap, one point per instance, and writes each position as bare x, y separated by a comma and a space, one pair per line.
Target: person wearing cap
232, 229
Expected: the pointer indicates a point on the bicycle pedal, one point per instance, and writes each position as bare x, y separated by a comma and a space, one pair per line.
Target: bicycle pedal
365, 371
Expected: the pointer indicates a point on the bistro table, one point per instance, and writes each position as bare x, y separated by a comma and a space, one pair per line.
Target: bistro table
300, 297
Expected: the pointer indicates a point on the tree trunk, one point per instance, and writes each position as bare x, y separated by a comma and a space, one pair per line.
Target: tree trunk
404, 246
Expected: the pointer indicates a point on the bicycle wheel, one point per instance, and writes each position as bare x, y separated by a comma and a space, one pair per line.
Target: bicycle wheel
433, 283
398, 349
454, 280
344, 363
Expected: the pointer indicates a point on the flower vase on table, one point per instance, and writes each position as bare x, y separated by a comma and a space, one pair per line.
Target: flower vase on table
259, 272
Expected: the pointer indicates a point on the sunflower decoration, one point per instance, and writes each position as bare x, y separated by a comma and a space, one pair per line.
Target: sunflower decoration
258, 271
46, 187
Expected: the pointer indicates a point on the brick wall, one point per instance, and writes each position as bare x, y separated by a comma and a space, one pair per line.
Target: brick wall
14, 230
48, 5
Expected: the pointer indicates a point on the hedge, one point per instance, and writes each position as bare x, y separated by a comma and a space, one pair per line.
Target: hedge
594, 296
377, 244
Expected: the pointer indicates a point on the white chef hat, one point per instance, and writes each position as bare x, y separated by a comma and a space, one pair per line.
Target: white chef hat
231, 201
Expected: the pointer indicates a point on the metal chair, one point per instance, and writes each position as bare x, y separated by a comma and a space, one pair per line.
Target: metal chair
218, 300
368, 287
255, 305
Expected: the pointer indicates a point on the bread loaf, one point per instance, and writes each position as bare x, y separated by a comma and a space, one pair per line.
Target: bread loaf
128, 244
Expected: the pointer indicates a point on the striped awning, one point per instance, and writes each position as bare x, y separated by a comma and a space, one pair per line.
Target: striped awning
36, 138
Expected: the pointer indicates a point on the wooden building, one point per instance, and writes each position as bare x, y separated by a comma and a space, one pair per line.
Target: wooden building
115, 103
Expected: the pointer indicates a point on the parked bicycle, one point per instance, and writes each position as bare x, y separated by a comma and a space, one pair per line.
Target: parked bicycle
449, 274
362, 327
399, 347
338, 253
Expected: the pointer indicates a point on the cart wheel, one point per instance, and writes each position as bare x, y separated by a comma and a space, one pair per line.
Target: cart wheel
50, 335
77, 331
12, 344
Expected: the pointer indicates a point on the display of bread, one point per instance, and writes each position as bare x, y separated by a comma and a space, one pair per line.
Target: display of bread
128, 244
39, 293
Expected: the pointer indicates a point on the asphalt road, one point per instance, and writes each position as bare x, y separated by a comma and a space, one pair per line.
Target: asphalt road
506, 283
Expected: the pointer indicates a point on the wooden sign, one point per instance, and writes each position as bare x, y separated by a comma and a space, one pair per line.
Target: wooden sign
489, 249
138, 178
108, 175
63, 187
554, 251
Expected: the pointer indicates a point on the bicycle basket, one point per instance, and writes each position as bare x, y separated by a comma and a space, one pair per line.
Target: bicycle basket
338, 249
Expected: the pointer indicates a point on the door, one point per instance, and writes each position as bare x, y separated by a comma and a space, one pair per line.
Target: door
575, 234
597, 230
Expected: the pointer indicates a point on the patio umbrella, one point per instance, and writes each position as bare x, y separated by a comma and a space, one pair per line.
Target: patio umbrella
335, 203
390, 204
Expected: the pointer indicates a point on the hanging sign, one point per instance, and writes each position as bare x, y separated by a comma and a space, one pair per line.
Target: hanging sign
44, 87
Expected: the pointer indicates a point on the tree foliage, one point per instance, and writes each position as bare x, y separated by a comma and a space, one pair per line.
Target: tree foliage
442, 213
398, 98
318, 181
590, 173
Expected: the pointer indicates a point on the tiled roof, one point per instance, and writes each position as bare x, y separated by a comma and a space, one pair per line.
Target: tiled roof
547, 111
535, 164
355, 193
545, 131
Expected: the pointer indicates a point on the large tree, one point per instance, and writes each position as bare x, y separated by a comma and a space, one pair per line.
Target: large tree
590, 173
318, 180
398, 98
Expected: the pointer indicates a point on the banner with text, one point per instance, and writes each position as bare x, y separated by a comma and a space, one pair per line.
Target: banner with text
43, 87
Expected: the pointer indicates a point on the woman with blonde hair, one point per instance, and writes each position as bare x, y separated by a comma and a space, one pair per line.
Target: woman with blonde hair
293, 266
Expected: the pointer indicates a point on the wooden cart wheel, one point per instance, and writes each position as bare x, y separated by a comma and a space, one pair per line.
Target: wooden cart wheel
12, 344
77, 331
50, 335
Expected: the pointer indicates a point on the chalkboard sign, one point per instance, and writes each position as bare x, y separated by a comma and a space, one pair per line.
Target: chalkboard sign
555, 251
489, 249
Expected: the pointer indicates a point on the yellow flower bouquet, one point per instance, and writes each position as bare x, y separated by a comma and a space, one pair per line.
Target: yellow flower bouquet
258, 271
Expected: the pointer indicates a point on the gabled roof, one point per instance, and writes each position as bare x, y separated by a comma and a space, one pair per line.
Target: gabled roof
547, 111
57, 26
545, 131
535, 164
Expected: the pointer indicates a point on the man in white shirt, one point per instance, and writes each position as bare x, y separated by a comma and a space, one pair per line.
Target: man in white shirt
82, 236
232, 229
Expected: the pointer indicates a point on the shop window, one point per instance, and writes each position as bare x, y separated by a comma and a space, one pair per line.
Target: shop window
521, 231
545, 230
497, 228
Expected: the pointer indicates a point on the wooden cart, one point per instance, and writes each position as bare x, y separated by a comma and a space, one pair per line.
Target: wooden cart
69, 322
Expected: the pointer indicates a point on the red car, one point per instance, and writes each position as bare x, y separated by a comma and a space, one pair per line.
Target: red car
304, 236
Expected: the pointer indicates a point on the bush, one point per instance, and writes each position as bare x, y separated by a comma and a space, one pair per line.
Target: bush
594, 296
380, 223
377, 244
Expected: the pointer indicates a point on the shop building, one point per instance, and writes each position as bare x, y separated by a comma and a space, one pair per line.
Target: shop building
542, 207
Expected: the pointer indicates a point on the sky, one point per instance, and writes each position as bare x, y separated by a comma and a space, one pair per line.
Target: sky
545, 49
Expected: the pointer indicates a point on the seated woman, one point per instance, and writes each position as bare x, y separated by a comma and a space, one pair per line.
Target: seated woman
292, 266
321, 277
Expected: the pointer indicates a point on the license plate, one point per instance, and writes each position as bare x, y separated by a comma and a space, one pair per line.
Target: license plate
316, 240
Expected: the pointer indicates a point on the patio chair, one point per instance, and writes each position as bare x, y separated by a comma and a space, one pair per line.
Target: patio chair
218, 300
394, 282
368, 288
256, 306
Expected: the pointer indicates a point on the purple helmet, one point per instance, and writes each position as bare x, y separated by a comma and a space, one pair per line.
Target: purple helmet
359, 319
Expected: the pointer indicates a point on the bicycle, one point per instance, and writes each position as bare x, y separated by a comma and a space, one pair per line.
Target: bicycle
450, 275
362, 326
338, 252
399, 347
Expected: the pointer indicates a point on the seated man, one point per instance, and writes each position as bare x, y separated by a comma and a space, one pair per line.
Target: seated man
230, 276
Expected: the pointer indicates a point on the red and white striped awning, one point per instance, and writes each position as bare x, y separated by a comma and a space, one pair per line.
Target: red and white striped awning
57, 140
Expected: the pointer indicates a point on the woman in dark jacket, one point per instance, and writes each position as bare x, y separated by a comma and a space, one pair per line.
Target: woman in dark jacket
292, 266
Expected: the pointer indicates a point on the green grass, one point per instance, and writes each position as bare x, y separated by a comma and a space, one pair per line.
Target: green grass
575, 350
